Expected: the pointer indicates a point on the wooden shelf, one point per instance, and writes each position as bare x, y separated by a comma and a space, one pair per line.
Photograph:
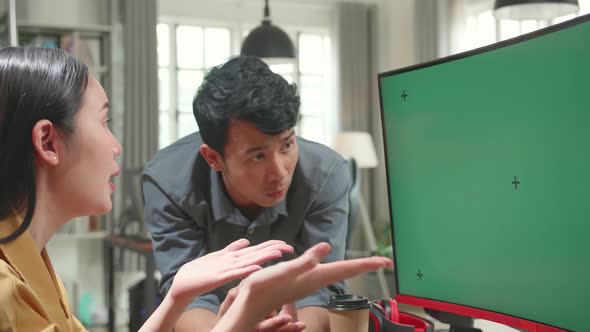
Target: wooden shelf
80, 236
33, 26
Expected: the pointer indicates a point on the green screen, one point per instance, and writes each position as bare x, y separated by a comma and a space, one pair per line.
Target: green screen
488, 163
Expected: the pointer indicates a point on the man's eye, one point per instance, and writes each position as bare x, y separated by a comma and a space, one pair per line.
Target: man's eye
257, 157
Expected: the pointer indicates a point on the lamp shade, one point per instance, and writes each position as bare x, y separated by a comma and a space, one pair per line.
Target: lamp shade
534, 9
358, 145
268, 41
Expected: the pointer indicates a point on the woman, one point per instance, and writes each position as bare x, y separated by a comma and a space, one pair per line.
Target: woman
57, 155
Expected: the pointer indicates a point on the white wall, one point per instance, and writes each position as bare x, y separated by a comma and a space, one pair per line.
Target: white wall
64, 12
284, 14
395, 34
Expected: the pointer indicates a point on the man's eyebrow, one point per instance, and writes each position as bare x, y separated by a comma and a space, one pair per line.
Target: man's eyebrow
256, 148
262, 147
291, 134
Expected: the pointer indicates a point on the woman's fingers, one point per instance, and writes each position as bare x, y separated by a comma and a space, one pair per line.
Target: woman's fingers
290, 310
310, 258
304, 275
258, 257
319, 251
329, 273
288, 272
292, 327
267, 245
237, 273
281, 322
229, 299
236, 245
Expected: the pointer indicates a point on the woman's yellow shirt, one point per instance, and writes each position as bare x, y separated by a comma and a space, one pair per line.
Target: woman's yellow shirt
32, 297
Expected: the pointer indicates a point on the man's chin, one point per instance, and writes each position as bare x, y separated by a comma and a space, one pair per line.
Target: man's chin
270, 202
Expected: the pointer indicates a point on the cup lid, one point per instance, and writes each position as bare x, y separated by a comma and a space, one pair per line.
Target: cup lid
347, 302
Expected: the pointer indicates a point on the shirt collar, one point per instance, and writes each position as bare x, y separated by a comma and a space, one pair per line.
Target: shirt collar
223, 208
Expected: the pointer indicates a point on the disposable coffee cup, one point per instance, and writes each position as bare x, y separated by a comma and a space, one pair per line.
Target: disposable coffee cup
348, 313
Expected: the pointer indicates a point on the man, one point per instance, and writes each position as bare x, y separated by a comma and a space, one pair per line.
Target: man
245, 175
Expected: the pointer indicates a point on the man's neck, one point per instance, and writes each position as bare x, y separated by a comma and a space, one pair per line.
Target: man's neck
251, 213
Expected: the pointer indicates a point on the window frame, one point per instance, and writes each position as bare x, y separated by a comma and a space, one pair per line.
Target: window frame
173, 109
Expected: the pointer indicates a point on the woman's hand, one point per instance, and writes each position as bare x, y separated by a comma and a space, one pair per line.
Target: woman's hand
235, 261
284, 321
208, 272
288, 281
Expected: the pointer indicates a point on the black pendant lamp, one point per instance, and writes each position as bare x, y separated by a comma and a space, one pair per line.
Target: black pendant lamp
534, 9
269, 42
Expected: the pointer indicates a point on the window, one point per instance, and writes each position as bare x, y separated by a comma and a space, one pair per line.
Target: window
311, 75
476, 25
183, 61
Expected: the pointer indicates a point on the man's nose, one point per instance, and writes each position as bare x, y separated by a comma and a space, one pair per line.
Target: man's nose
277, 169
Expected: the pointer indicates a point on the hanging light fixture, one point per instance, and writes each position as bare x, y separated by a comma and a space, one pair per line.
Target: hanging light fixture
269, 42
534, 9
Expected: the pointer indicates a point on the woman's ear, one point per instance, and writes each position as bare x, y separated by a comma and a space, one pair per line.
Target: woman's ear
45, 142
212, 157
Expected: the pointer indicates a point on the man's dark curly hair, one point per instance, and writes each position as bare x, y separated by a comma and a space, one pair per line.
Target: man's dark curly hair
244, 88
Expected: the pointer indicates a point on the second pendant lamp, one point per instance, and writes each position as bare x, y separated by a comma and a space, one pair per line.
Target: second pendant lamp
534, 9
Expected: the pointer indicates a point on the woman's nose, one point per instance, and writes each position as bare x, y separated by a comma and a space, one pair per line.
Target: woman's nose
118, 149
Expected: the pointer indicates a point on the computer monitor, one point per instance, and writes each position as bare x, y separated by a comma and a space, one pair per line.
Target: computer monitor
488, 170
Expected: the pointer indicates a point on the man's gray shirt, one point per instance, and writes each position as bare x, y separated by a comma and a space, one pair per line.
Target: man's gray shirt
189, 215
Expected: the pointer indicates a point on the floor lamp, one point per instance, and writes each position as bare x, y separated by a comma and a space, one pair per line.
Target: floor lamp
359, 146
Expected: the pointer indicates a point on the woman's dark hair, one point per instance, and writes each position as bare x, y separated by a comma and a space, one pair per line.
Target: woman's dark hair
244, 88
35, 84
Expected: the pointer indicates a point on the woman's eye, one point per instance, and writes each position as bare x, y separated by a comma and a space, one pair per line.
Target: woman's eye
287, 146
257, 157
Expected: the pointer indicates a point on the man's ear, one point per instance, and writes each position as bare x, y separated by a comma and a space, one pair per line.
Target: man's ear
45, 142
212, 157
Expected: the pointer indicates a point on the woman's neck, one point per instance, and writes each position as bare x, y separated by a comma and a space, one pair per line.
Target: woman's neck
47, 217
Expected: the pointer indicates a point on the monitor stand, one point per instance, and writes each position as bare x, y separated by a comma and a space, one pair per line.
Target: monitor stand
458, 323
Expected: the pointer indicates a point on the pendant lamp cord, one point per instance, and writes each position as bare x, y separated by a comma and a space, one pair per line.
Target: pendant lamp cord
266, 11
